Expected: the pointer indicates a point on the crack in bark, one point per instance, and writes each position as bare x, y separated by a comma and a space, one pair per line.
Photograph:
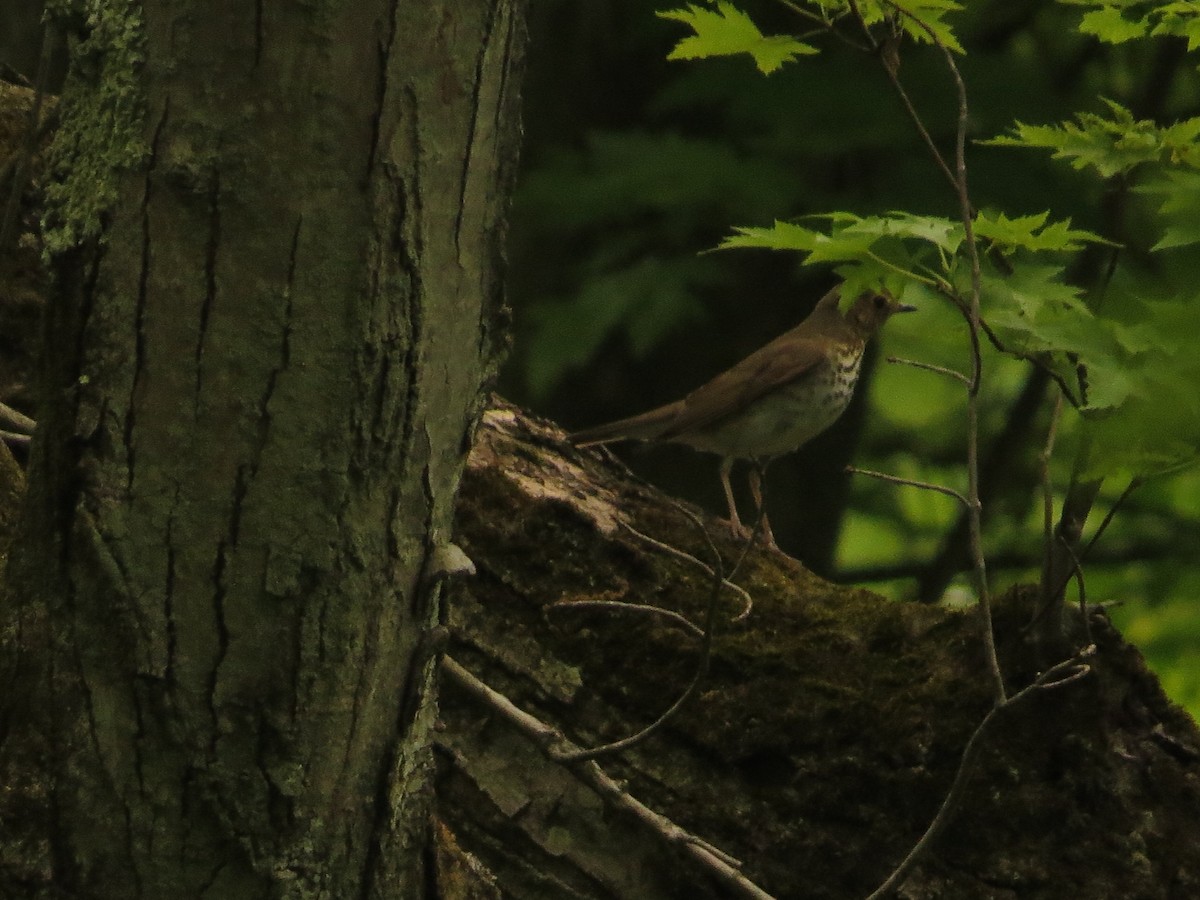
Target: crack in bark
210, 280
280, 807
414, 250
412, 698
139, 351
472, 119
245, 475
502, 100
169, 600
385, 54
97, 750
222, 629
361, 687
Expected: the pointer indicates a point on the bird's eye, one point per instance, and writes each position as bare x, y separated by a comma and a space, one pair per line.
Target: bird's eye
880, 301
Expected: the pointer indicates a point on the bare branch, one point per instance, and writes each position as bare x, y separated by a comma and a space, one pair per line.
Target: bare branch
747, 600
1064, 673
892, 72
974, 322
930, 367
553, 743
924, 485
1077, 573
1134, 483
623, 606
710, 623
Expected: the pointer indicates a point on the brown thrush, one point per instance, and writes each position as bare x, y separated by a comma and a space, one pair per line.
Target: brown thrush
773, 401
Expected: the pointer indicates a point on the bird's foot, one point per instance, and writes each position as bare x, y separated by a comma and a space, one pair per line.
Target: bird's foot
760, 532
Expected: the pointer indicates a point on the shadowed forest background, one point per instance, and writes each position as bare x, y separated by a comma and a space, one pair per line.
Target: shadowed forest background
813, 741
634, 165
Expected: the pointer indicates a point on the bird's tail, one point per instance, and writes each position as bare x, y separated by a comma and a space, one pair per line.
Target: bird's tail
645, 427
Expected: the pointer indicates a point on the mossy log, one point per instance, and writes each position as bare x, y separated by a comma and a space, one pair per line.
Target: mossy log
825, 733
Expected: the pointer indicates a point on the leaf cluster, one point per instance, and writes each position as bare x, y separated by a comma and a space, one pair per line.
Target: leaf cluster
1118, 21
1121, 367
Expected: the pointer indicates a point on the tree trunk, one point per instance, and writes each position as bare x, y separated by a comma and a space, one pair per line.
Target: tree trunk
279, 237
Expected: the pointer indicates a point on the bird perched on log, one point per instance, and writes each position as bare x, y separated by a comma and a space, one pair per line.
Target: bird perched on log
772, 402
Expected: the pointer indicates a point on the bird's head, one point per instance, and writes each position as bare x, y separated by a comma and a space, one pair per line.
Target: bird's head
871, 310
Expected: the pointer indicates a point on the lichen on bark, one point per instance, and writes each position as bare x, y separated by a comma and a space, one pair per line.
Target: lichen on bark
103, 113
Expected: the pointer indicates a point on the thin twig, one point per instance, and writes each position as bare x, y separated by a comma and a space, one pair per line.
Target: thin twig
826, 25
1070, 670
807, 14
747, 600
1134, 483
1048, 496
924, 485
552, 743
1035, 359
1077, 573
1075, 569
874, 44
890, 70
710, 623
974, 506
625, 606
930, 367
1066, 543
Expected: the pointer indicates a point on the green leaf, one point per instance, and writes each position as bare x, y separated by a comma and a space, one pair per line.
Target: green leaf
850, 234
1036, 314
1156, 426
1032, 233
1179, 207
1181, 19
727, 31
947, 234
1109, 145
1110, 25
922, 21
780, 236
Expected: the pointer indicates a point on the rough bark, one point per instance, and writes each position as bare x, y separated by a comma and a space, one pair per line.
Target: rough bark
279, 239
824, 737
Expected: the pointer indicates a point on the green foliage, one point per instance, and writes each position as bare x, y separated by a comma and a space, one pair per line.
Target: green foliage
1156, 425
1111, 146
727, 31
921, 20
1086, 246
1118, 21
1007, 235
874, 250
1178, 196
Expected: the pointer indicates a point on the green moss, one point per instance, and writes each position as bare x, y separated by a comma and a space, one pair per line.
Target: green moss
103, 112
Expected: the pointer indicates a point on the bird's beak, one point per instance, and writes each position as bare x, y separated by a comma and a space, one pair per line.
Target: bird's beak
905, 307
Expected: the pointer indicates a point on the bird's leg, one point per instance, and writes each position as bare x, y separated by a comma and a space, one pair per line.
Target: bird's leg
726, 468
758, 471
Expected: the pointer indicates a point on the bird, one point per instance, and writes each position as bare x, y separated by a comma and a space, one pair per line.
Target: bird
772, 402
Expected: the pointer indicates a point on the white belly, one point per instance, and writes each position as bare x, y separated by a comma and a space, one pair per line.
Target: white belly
783, 419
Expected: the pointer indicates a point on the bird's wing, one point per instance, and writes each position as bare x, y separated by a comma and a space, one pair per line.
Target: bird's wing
785, 359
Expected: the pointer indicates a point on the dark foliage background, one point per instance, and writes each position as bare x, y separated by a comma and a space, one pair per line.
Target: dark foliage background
634, 165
